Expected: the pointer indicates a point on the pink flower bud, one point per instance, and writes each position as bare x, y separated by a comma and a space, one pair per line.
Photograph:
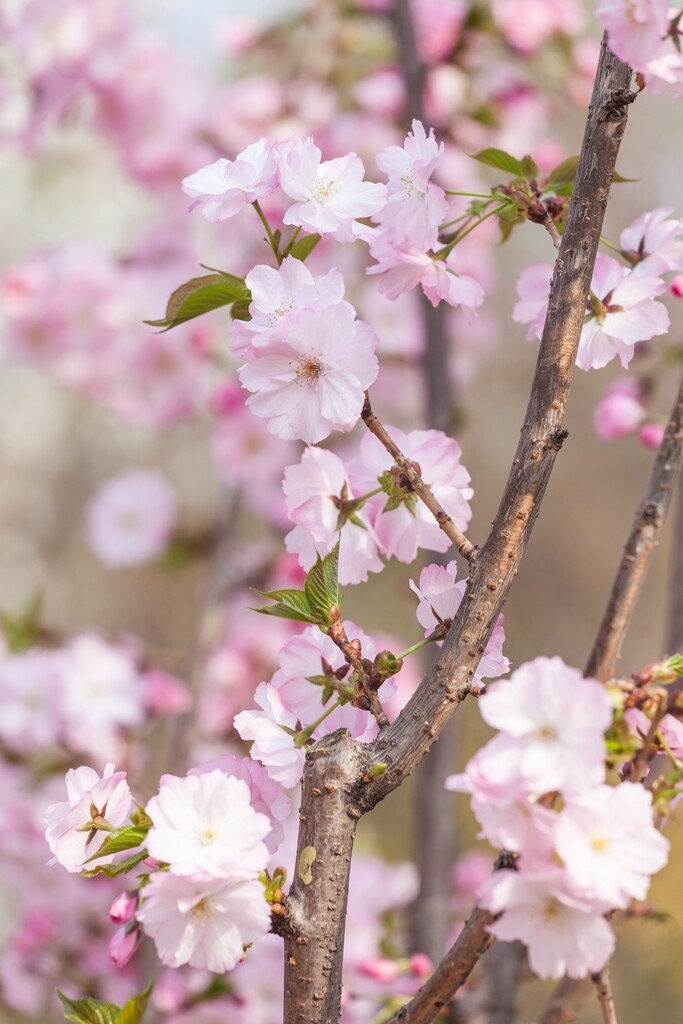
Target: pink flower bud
617, 415
651, 435
123, 908
380, 969
420, 965
123, 944
676, 286
164, 694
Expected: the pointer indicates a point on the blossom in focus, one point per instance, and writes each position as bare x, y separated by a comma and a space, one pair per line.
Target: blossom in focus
330, 194
404, 267
278, 292
203, 924
310, 377
655, 236
609, 843
270, 731
552, 720
131, 518
315, 491
635, 28
89, 798
415, 205
225, 186
440, 597
564, 933
533, 286
204, 826
402, 529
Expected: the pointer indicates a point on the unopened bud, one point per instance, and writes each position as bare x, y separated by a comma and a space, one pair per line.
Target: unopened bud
123, 944
676, 286
123, 908
386, 664
420, 965
651, 435
380, 969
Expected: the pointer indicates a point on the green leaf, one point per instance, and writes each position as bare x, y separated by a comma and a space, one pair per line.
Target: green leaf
22, 631
501, 160
122, 867
564, 173
303, 247
133, 1011
618, 179
200, 295
291, 604
237, 281
322, 586
529, 168
89, 1011
240, 310
128, 837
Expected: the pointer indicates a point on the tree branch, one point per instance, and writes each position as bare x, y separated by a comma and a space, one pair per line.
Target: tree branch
640, 545
448, 681
603, 984
416, 483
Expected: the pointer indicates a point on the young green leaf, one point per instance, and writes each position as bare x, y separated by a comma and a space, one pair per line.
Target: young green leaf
303, 247
290, 604
240, 310
501, 160
89, 1011
133, 1011
128, 837
122, 867
200, 295
322, 586
529, 168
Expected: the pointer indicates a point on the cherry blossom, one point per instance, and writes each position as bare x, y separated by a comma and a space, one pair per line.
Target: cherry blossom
204, 826
402, 529
224, 187
310, 377
655, 234
271, 732
404, 267
31, 692
316, 491
533, 287
609, 843
552, 720
204, 924
635, 28
617, 415
330, 194
652, 435
130, 519
89, 799
440, 597
415, 206
564, 933
527, 24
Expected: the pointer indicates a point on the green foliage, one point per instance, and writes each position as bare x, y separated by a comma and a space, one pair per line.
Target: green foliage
122, 867
501, 160
564, 173
318, 603
128, 837
96, 1011
22, 630
303, 247
200, 295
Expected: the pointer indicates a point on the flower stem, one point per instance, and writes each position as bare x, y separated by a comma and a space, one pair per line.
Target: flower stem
438, 634
443, 253
302, 737
610, 245
472, 195
290, 244
269, 233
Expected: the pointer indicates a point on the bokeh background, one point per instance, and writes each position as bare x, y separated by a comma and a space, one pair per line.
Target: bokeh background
57, 445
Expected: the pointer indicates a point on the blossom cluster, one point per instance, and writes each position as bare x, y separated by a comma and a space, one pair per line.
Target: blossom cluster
583, 848
646, 35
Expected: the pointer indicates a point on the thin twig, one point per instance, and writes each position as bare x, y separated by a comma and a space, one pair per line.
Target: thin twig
337, 634
551, 228
639, 765
639, 548
603, 984
452, 972
417, 484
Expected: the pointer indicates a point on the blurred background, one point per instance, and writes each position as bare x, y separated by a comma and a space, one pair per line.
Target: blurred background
104, 108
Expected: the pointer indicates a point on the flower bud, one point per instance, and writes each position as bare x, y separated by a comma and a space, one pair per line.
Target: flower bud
123, 908
420, 965
163, 694
123, 944
380, 969
676, 286
617, 415
651, 435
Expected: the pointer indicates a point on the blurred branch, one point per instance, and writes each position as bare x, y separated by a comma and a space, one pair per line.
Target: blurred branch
642, 541
493, 999
603, 984
674, 627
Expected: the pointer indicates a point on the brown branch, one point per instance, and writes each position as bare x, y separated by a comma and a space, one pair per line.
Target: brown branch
452, 972
337, 634
567, 1001
639, 548
493, 998
637, 769
417, 484
448, 681
603, 984
674, 627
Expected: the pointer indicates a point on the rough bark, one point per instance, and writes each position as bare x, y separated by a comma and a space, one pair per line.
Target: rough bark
674, 626
314, 979
639, 549
316, 903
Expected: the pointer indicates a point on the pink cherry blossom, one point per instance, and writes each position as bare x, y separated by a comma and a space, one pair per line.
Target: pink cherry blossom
656, 234
635, 28
437, 27
122, 909
617, 415
123, 944
609, 843
130, 519
87, 795
664, 74
404, 267
676, 287
652, 435
329, 194
31, 693
204, 826
533, 287
315, 490
527, 24
164, 694
553, 720
523, 827
272, 744
276, 293
402, 530
224, 187
440, 597
203, 924
266, 796
415, 205
564, 933
310, 378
